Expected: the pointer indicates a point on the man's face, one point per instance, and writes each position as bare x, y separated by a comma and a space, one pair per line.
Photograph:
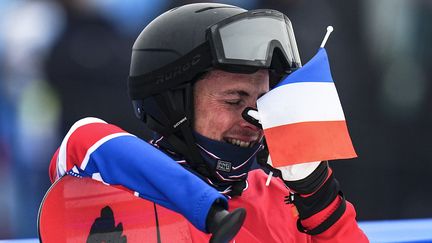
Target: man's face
220, 98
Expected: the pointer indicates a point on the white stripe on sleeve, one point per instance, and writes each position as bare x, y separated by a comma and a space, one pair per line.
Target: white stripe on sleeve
61, 161
98, 144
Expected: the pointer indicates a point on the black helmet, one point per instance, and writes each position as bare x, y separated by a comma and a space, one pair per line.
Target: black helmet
176, 48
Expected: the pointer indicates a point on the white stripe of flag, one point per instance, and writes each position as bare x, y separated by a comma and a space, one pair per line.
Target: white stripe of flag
302, 117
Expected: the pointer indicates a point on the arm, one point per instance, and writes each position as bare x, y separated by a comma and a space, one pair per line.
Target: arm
105, 152
323, 212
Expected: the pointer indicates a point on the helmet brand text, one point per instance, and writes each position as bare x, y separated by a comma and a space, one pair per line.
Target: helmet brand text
178, 70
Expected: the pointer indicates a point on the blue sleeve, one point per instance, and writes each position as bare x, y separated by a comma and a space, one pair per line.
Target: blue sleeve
137, 165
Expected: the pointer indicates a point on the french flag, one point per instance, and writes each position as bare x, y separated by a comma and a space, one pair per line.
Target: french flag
302, 117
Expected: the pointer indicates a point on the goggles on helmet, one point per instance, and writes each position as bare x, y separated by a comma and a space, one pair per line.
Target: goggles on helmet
243, 43
250, 39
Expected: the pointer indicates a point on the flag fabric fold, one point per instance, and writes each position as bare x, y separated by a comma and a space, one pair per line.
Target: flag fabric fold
302, 117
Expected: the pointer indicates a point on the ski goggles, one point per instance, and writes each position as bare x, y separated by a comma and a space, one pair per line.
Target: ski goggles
244, 43
251, 38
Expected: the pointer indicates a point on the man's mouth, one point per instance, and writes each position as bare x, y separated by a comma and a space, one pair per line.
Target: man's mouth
240, 143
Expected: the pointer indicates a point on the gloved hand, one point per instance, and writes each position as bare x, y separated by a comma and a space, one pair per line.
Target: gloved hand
312, 186
304, 178
224, 225
296, 172
312, 189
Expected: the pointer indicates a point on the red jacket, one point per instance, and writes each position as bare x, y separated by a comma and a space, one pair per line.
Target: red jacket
268, 219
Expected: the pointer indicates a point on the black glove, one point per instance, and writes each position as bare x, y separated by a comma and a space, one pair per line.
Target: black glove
224, 225
314, 193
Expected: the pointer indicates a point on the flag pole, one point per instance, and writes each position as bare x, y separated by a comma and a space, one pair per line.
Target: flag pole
270, 175
329, 30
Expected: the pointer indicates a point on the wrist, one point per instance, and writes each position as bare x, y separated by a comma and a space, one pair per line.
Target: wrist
322, 206
325, 218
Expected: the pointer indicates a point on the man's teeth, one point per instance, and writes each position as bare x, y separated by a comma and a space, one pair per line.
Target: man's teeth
240, 143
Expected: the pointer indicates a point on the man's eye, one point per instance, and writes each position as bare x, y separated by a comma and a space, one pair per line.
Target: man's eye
233, 102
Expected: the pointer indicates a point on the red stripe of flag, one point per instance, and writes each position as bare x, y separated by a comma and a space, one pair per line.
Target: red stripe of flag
309, 141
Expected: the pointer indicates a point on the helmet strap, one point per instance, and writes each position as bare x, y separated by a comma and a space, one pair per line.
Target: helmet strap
178, 104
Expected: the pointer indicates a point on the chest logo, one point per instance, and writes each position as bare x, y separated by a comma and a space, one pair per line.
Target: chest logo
224, 166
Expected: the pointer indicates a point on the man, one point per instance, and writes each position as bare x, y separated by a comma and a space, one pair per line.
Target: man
194, 71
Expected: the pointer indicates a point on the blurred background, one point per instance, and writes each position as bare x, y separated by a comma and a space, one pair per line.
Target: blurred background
64, 60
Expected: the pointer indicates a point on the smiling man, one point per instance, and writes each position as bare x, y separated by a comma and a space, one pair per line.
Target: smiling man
218, 98
194, 71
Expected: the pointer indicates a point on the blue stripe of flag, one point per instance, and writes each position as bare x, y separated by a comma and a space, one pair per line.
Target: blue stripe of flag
316, 70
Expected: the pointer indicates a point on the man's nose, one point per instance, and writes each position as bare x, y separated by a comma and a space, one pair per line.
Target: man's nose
249, 122
248, 125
